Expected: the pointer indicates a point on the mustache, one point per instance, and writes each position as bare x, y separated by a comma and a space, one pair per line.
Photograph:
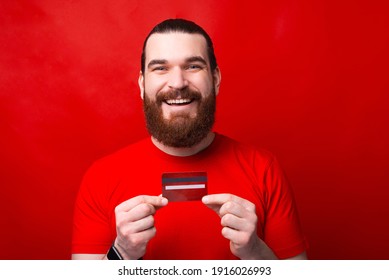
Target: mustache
181, 93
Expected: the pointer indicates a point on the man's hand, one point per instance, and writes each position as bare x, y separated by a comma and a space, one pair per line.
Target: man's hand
239, 222
135, 224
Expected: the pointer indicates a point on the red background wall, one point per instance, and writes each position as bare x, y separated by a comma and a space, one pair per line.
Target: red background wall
305, 79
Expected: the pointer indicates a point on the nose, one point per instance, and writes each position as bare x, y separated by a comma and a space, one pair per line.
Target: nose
177, 79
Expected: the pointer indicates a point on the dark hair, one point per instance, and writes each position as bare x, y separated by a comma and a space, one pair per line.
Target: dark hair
184, 26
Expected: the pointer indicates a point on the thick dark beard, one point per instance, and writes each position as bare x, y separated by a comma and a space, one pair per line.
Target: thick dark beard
181, 131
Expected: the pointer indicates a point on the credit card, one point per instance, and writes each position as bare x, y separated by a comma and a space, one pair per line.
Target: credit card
184, 186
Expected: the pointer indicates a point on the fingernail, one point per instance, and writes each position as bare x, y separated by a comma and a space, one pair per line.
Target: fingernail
164, 201
204, 199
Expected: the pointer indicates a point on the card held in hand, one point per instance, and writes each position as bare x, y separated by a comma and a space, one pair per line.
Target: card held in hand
184, 186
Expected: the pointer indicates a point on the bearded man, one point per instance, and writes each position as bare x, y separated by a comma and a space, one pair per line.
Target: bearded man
220, 199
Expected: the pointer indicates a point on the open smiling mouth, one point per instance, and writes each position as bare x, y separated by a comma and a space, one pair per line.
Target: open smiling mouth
178, 102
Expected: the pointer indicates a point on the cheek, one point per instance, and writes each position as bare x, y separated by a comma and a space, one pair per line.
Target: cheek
153, 85
204, 85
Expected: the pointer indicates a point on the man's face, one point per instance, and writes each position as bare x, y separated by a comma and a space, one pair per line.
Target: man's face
178, 88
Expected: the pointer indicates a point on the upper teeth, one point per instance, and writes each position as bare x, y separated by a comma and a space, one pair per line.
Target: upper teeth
177, 101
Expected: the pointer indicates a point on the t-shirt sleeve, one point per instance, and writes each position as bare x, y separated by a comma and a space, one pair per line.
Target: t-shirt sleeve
282, 232
91, 225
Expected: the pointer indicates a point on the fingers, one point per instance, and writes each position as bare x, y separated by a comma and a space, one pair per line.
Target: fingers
139, 225
234, 208
235, 216
137, 232
214, 200
157, 201
235, 212
137, 213
138, 208
138, 238
135, 224
245, 223
228, 203
238, 230
239, 221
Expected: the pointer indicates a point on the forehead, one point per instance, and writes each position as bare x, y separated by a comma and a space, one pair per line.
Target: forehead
175, 46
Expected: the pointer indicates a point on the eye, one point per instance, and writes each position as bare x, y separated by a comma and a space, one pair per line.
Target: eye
159, 68
194, 67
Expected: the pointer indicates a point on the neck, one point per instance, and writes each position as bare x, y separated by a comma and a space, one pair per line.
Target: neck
184, 152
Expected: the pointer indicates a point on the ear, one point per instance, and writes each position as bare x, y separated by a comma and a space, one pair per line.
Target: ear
217, 77
141, 83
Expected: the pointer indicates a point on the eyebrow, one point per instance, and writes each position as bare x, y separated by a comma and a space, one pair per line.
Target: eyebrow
156, 62
196, 59
188, 60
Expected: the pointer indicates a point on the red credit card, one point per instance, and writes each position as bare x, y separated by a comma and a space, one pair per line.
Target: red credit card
185, 186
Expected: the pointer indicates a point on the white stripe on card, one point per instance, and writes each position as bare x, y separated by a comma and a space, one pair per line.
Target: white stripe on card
185, 187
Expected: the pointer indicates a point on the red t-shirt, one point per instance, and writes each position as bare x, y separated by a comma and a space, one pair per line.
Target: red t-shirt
187, 230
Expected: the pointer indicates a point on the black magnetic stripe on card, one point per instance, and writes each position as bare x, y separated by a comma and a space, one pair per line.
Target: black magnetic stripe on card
184, 180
